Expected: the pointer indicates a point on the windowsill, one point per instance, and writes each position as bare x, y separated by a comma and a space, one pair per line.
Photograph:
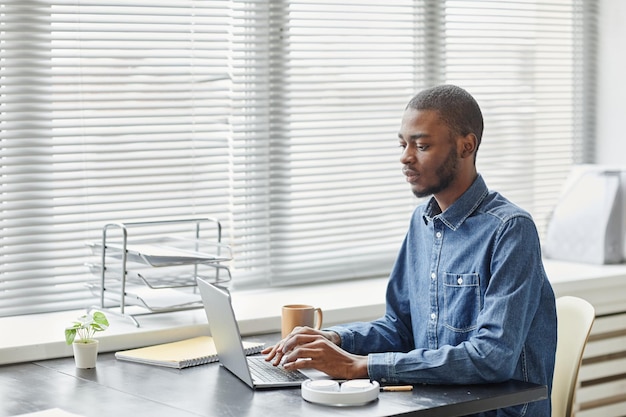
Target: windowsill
40, 336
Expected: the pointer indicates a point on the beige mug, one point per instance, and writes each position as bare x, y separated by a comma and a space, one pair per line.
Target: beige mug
295, 315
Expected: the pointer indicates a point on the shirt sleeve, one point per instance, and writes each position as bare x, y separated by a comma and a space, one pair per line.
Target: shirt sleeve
392, 332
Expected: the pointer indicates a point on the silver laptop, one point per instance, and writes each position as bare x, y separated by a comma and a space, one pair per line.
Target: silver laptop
253, 370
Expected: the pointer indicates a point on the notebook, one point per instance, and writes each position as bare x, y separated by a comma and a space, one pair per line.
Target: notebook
255, 371
181, 354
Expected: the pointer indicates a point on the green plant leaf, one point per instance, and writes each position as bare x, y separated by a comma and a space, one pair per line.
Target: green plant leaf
100, 319
85, 326
70, 335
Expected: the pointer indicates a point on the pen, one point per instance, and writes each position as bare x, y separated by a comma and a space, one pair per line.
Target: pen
397, 388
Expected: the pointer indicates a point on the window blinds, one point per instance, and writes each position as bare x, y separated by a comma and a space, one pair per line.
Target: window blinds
523, 62
336, 206
111, 111
277, 117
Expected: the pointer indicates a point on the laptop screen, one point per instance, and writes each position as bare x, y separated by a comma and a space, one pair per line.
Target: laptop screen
224, 329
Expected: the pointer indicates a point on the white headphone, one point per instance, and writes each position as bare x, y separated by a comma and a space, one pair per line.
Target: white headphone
348, 393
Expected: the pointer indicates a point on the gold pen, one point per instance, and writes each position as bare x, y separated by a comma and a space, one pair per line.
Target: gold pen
392, 388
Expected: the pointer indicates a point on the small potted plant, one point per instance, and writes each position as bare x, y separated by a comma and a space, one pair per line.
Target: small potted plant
81, 336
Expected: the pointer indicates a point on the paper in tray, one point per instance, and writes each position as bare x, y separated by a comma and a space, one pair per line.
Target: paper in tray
161, 300
169, 251
176, 276
164, 298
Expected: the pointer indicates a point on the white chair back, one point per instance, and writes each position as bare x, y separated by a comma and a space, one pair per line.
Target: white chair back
575, 317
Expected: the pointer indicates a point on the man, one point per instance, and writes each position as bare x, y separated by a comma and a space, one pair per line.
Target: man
468, 300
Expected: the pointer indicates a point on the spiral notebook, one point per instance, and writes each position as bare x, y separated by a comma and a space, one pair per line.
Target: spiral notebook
181, 354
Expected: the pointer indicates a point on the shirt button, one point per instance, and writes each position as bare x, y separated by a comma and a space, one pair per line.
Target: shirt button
433, 276
438, 235
433, 316
460, 281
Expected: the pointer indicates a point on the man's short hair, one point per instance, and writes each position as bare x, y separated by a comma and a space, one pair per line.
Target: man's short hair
457, 108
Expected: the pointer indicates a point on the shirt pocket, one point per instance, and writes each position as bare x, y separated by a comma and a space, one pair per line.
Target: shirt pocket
461, 301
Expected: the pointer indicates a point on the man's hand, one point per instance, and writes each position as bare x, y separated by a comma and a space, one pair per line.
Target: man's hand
319, 350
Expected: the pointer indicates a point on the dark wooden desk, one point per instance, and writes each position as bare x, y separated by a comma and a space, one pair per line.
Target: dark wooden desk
120, 389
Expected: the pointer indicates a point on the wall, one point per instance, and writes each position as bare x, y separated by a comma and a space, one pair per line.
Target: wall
611, 116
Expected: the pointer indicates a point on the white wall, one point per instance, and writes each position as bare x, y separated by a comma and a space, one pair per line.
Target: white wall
611, 117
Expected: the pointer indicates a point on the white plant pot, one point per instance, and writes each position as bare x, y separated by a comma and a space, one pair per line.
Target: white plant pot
85, 354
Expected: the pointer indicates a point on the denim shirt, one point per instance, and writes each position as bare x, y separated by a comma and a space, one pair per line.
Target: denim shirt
468, 301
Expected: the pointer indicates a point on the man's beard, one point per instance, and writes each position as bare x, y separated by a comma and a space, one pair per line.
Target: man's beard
446, 173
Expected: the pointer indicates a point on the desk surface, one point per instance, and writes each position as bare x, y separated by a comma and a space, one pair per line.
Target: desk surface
118, 388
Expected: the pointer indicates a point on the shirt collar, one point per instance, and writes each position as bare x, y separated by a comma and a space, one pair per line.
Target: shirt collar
462, 208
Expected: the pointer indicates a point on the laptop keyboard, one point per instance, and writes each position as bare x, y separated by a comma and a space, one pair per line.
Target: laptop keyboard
265, 371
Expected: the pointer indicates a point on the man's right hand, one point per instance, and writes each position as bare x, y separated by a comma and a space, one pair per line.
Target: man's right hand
305, 347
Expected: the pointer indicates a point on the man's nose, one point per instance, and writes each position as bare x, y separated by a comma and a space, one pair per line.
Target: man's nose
407, 156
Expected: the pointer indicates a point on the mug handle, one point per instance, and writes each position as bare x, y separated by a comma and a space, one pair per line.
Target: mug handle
319, 318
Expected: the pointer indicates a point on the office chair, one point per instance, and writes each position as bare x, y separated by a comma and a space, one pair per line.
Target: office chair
575, 317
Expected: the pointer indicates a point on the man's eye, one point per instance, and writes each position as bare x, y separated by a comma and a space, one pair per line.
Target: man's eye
422, 147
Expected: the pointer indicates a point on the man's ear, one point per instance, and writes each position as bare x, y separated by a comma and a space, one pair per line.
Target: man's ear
469, 144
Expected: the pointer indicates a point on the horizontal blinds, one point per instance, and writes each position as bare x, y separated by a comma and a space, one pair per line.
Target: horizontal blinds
340, 76
111, 111
279, 118
519, 59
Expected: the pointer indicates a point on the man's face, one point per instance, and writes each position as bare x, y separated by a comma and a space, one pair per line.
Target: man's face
429, 153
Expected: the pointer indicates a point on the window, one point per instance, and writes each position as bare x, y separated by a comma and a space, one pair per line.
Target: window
279, 118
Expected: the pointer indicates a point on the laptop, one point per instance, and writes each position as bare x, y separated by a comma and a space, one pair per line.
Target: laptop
255, 371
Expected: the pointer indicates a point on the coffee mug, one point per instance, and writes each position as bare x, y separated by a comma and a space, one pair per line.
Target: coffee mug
295, 315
